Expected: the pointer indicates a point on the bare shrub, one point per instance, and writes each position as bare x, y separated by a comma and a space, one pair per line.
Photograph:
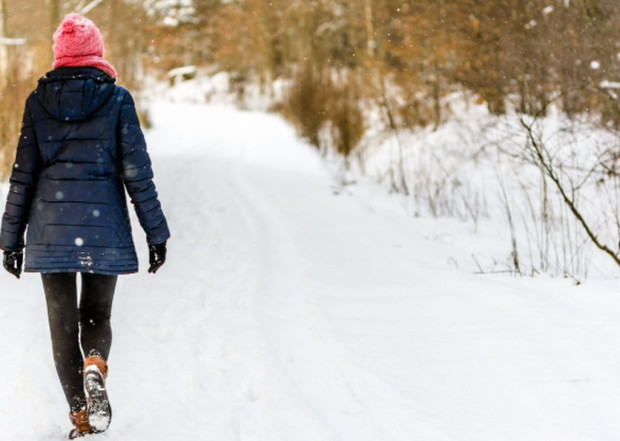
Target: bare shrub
346, 118
316, 101
569, 187
415, 112
305, 103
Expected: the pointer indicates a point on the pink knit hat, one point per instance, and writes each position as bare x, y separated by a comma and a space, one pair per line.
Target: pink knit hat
78, 42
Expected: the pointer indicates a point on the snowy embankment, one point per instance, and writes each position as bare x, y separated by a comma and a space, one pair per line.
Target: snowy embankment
293, 309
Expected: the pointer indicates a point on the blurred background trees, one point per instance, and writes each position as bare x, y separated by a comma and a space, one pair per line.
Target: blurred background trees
342, 58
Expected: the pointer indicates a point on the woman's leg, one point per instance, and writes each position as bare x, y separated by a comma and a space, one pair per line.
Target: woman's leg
95, 311
62, 311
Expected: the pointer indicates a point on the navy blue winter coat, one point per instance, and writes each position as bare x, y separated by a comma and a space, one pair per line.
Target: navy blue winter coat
80, 146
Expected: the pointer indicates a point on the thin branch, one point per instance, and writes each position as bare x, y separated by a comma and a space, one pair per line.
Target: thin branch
539, 152
403, 179
513, 237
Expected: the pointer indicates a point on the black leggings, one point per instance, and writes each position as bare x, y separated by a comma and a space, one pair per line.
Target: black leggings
78, 332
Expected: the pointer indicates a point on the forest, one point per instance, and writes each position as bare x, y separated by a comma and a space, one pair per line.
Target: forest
350, 66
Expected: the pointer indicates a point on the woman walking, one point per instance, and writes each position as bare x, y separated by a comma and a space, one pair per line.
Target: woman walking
80, 147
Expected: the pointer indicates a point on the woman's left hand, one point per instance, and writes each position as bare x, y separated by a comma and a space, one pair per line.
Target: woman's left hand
157, 256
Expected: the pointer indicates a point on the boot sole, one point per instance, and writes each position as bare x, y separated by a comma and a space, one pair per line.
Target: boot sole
99, 410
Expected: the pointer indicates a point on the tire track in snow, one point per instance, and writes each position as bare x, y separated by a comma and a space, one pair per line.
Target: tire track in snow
355, 405
208, 333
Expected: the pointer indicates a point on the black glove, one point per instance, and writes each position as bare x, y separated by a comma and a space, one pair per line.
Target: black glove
12, 262
157, 256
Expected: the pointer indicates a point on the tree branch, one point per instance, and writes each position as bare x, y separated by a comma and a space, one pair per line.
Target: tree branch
539, 152
89, 7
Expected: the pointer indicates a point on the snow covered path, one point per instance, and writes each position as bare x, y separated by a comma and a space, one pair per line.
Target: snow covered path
289, 310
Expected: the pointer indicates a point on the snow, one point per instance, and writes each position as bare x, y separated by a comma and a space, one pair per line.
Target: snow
12, 41
475, 165
174, 12
292, 308
182, 71
609, 85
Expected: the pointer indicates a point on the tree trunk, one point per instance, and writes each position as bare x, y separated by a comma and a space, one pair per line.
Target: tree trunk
2, 19
437, 94
54, 14
370, 32
3, 49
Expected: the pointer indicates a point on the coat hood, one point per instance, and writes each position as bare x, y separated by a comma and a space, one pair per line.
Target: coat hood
74, 93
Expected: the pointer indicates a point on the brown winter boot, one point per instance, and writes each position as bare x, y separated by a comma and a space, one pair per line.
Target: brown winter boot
99, 363
97, 404
80, 422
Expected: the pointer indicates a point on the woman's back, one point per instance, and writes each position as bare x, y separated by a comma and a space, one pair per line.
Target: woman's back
80, 142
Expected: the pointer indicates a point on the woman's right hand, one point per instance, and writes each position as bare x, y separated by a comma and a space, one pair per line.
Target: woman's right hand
13, 261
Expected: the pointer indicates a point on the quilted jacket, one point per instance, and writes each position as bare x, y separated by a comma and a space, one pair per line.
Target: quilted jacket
80, 147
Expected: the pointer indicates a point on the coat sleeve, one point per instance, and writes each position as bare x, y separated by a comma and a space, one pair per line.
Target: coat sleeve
137, 174
22, 186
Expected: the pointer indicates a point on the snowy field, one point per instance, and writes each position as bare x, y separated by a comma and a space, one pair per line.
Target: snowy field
291, 309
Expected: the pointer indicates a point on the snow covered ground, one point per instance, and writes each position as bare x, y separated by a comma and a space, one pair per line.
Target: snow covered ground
293, 309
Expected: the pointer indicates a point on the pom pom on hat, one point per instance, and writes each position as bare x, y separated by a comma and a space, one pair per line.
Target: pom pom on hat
78, 42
